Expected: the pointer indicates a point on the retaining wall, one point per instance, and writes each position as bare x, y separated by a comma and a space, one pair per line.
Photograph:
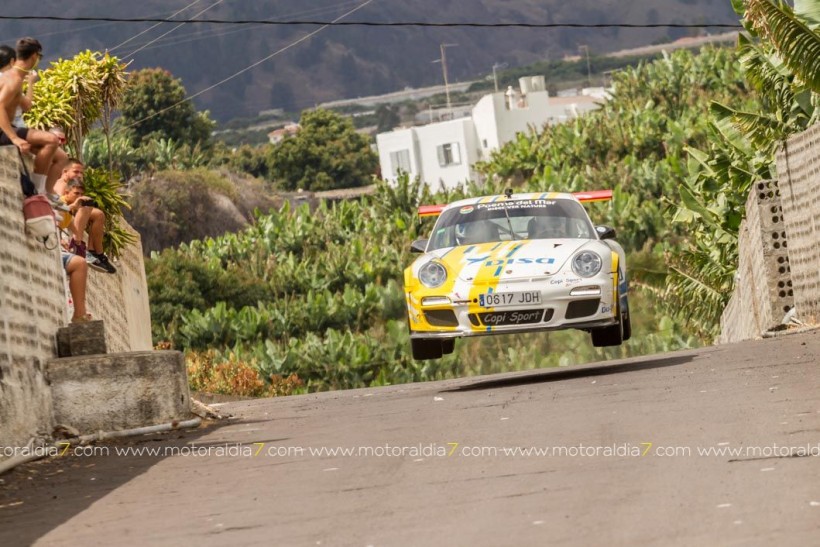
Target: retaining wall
798, 171
779, 265
34, 304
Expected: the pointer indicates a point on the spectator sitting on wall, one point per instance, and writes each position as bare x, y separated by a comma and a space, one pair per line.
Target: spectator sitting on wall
72, 169
87, 218
43, 144
77, 271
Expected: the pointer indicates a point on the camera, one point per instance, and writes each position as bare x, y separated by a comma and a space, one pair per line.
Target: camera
90, 203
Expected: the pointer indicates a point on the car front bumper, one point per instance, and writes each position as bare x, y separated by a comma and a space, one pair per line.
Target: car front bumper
566, 302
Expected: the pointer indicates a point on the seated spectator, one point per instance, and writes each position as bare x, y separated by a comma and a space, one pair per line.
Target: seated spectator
43, 144
86, 219
77, 271
72, 169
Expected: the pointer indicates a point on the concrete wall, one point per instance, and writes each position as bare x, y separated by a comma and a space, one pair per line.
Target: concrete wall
119, 391
763, 287
779, 267
121, 300
798, 171
33, 305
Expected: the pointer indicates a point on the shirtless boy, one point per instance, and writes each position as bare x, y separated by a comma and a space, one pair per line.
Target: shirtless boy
43, 144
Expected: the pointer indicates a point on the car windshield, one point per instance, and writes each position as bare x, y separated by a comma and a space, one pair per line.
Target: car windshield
529, 219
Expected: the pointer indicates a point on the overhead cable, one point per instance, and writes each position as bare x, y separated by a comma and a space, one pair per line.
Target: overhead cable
365, 23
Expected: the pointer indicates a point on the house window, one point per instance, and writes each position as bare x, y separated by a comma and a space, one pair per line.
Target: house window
449, 154
400, 161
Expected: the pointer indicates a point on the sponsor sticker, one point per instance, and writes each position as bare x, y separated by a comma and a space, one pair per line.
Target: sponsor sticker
467, 209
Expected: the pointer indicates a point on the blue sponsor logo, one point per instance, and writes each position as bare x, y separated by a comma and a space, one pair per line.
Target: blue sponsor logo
507, 261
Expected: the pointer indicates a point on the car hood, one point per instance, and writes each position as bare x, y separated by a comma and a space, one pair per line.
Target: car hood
509, 259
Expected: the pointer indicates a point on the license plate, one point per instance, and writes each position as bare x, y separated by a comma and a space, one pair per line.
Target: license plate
495, 299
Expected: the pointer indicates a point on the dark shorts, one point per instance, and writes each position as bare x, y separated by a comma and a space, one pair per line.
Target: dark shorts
22, 132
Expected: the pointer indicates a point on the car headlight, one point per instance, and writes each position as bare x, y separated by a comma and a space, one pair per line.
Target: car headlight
586, 264
433, 274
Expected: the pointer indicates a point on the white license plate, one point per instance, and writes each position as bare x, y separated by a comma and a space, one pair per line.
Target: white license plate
495, 299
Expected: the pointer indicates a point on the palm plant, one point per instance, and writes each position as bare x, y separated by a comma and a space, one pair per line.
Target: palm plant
783, 68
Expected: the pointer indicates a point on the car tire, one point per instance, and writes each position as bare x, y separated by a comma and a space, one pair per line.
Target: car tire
426, 349
627, 326
609, 336
448, 346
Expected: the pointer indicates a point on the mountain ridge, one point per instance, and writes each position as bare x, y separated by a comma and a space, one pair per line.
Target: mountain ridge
345, 62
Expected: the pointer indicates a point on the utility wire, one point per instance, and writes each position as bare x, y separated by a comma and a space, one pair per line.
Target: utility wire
152, 27
249, 67
161, 36
200, 35
337, 23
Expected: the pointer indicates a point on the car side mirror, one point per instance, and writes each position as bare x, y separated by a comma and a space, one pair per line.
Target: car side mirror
418, 246
605, 232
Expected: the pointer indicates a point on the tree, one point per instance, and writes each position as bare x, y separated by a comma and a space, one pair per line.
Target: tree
154, 107
327, 153
76, 93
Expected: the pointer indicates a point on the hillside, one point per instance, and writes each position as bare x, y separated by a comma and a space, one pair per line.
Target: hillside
346, 62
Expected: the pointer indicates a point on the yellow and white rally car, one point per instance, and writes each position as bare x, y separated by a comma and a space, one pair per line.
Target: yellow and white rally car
515, 263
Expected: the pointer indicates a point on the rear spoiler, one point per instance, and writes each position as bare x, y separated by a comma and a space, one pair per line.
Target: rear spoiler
583, 197
594, 195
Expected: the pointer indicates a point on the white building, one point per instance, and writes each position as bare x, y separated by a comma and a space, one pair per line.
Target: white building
443, 153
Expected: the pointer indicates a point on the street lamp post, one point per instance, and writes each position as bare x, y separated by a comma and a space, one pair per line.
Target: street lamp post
442, 47
495, 77
589, 71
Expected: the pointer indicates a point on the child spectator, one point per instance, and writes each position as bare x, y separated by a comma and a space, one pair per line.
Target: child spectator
86, 218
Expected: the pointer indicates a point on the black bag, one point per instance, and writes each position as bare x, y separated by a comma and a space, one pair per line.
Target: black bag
26, 184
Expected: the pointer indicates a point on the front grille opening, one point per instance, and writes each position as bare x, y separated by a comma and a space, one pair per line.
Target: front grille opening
441, 318
548, 315
582, 308
474, 320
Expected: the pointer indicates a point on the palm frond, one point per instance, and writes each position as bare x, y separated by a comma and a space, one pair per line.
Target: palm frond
796, 43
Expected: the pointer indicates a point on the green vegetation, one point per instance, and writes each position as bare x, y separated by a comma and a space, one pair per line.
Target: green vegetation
326, 153
154, 107
783, 69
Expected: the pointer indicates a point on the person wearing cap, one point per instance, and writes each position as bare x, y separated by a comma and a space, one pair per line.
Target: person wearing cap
86, 218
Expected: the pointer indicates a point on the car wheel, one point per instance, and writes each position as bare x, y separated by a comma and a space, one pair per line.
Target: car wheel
609, 336
426, 349
448, 346
627, 326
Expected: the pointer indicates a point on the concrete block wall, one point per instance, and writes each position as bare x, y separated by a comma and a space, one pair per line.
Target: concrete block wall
763, 287
798, 172
121, 300
34, 304
32, 308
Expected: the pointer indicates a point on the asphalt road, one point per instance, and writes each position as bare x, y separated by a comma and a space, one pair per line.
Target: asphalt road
436, 463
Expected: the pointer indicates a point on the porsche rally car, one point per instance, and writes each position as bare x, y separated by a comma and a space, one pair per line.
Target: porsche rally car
515, 263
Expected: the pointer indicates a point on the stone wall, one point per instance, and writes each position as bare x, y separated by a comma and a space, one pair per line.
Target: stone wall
798, 171
34, 304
